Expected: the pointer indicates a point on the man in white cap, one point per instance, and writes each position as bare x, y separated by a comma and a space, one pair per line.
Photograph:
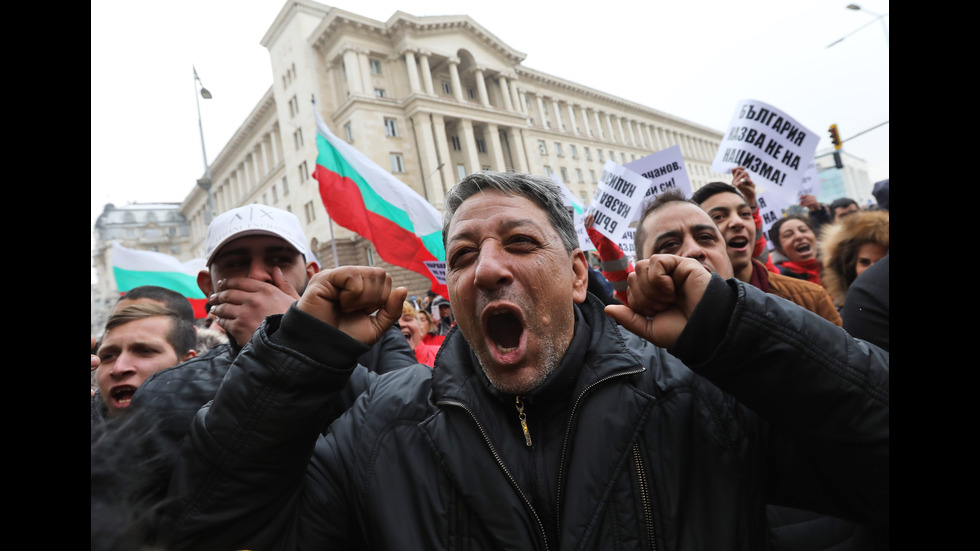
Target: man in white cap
258, 265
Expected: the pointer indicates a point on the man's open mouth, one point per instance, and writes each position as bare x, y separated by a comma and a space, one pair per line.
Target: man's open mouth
504, 329
738, 242
122, 395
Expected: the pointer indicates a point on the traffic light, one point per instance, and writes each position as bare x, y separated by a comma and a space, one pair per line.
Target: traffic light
834, 136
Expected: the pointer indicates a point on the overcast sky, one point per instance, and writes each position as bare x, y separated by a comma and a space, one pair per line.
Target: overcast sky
695, 59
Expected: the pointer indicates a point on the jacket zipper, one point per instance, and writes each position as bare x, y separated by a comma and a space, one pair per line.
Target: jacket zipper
564, 447
523, 419
500, 463
641, 476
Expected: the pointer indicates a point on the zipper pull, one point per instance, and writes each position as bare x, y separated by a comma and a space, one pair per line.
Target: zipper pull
523, 418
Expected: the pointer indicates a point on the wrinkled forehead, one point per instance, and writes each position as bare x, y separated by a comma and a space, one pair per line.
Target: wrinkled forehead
498, 209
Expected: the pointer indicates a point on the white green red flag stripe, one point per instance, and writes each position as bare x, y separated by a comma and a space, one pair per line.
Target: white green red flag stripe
133, 268
366, 199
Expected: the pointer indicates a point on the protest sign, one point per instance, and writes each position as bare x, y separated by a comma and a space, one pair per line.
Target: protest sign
771, 145
578, 214
665, 170
810, 185
616, 198
628, 245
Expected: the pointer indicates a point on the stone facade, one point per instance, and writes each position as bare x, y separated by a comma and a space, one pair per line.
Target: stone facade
431, 99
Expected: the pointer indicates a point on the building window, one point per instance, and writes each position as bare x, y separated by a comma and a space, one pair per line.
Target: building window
599, 152
455, 142
592, 175
547, 171
622, 156
304, 174
369, 252
285, 186
397, 164
542, 147
564, 175
558, 150
578, 174
588, 154
485, 168
275, 194
350, 133
293, 106
481, 145
375, 66
470, 93
298, 138
391, 130
612, 155
379, 93
447, 88
574, 151
460, 171
310, 212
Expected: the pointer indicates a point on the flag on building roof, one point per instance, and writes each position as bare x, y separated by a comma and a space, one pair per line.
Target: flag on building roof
133, 268
361, 196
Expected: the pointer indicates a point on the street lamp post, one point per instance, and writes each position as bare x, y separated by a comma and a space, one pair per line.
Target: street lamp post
879, 17
203, 183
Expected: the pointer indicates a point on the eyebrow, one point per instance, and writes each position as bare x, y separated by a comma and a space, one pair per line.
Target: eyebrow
506, 225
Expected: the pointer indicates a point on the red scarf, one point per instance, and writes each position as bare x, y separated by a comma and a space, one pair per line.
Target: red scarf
809, 269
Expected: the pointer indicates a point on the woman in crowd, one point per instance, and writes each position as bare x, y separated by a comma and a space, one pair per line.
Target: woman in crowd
850, 247
794, 239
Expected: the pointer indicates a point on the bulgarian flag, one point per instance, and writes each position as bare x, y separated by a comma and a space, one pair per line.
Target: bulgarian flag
133, 268
366, 199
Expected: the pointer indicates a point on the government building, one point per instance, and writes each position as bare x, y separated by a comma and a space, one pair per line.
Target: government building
431, 99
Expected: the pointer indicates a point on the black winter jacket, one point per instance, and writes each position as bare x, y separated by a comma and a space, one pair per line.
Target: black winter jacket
630, 449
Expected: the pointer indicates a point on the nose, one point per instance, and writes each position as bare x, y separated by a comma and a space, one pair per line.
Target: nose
492, 269
259, 270
691, 249
123, 366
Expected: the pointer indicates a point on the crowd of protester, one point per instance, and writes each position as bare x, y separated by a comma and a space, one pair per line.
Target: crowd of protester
690, 399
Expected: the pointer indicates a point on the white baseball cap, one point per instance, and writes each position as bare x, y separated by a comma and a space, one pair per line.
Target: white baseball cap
254, 219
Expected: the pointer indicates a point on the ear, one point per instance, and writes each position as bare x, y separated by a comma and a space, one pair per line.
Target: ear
190, 354
204, 283
311, 270
580, 267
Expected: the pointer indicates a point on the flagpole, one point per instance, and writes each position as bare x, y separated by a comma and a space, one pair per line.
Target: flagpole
333, 242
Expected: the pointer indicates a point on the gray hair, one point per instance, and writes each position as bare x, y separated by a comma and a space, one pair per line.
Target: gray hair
538, 189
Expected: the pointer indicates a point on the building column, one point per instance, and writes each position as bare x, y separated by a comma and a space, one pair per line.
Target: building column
557, 110
653, 145
571, 118
442, 148
622, 131
352, 68
516, 96
505, 92
469, 146
598, 124
541, 111
481, 87
365, 67
609, 126
413, 72
494, 148
454, 78
516, 140
426, 74
585, 122
428, 151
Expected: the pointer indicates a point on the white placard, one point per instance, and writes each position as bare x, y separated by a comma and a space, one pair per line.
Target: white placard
438, 269
665, 170
616, 199
771, 145
578, 215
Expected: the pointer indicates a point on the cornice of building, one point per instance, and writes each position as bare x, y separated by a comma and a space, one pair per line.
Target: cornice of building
575, 88
287, 12
229, 154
